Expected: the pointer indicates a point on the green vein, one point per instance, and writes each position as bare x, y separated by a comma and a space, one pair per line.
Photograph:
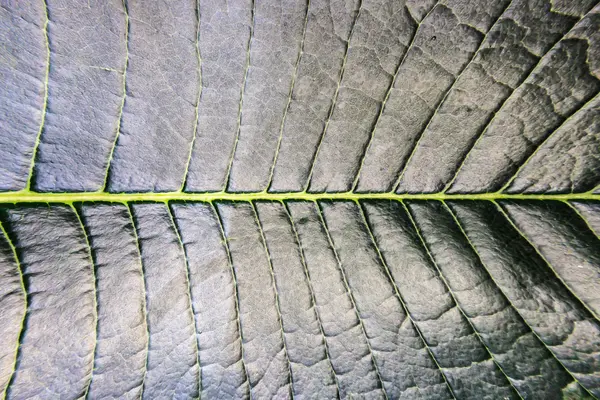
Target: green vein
236, 295
497, 111
554, 10
351, 297
44, 104
501, 294
313, 299
335, 97
71, 197
590, 227
122, 106
197, 108
401, 298
456, 302
189, 295
145, 305
548, 347
535, 248
540, 145
95, 279
276, 293
388, 93
410, 371
241, 105
289, 100
443, 101
13, 249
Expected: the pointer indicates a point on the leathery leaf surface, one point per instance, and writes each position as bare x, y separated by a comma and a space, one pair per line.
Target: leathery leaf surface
312, 199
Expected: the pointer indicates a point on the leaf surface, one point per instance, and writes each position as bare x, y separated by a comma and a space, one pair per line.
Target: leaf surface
372, 199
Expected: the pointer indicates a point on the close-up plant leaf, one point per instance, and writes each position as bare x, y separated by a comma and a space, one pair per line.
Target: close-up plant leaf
312, 199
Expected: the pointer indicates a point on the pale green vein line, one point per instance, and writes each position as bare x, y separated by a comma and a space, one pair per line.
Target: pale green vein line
401, 298
95, 279
410, 371
236, 295
34, 197
352, 300
289, 101
197, 108
313, 299
590, 227
145, 305
491, 278
241, 105
556, 11
548, 347
122, 106
335, 97
45, 103
501, 292
499, 109
388, 93
276, 293
540, 145
25, 311
443, 101
535, 248
456, 302
189, 295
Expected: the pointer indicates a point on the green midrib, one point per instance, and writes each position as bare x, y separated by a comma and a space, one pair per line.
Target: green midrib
74, 197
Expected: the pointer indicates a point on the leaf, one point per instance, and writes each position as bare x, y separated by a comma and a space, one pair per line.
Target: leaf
313, 199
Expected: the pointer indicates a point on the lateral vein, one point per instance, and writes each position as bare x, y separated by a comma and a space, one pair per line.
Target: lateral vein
45, 103
95, 278
313, 299
189, 295
277, 303
352, 300
122, 106
400, 298
26, 311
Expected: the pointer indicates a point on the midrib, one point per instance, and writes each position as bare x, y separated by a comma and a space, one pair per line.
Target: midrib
74, 197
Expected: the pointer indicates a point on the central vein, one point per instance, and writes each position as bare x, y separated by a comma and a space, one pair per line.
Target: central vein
72, 197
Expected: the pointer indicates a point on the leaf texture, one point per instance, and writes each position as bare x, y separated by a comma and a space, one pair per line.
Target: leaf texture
312, 199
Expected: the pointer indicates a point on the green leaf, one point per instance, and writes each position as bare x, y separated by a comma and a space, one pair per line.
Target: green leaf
301, 198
